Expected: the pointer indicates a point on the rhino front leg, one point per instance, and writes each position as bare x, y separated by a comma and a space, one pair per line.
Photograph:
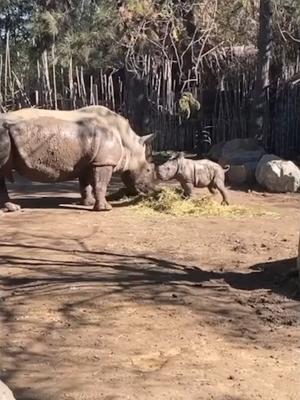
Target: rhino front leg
5, 204
86, 189
101, 178
187, 189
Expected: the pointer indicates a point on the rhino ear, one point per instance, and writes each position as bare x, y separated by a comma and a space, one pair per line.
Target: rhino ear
180, 154
147, 138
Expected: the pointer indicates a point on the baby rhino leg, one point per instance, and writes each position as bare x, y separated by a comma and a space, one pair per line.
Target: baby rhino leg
219, 184
211, 187
187, 189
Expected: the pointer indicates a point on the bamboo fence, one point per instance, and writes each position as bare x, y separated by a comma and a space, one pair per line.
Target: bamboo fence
224, 113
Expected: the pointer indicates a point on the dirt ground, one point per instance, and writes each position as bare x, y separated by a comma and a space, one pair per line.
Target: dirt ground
125, 306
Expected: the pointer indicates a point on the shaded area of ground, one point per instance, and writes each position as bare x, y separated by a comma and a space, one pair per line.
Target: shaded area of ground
121, 306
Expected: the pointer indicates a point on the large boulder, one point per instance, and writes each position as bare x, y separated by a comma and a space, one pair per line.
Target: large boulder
241, 174
277, 175
242, 155
5, 392
241, 151
215, 151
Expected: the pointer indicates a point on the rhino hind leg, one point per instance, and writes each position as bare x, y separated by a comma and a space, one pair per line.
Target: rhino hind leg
212, 189
86, 189
101, 178
219, 184
5, 204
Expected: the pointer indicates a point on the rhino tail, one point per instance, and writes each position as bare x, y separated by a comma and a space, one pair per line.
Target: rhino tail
226, 167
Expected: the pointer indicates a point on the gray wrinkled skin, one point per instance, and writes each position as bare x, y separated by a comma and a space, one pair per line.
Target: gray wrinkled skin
127, 177
55, 146
190, 173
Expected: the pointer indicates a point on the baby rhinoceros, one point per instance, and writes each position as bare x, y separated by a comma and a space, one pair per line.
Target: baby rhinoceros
199, 173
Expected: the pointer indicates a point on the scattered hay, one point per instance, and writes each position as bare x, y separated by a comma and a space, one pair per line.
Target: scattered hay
170, 201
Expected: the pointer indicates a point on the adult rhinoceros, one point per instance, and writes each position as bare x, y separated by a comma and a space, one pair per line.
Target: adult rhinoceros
55, 146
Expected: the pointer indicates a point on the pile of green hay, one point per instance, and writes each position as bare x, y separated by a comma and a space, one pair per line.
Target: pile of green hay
170, 201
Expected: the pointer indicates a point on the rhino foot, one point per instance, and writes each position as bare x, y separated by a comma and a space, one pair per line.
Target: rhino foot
11, 207
225, 203
89, 201
102, 207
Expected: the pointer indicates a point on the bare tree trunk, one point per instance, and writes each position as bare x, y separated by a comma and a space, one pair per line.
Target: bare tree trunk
264, 42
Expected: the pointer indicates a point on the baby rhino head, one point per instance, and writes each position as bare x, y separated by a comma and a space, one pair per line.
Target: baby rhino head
169, 169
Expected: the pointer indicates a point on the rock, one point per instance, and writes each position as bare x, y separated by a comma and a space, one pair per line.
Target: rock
5, 392
241, 151
241, 174
242, 155
215, 152
277, 175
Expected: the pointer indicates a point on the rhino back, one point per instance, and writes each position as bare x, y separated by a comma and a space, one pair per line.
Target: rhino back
118, 125
49, 150
200, 172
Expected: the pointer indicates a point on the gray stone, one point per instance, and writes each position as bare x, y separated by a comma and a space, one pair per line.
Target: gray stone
241, 174
241, 151
242, 155
242, 144
277, 175
5, 392
215, 151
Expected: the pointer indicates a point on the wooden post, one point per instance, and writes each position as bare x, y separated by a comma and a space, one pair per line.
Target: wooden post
83, 87
71, 83
92, 100
54, 76
264, 42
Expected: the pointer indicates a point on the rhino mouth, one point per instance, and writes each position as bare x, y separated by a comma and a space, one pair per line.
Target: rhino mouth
145, 189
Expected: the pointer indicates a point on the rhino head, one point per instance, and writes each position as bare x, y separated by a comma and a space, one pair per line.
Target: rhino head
169, 169
142, 179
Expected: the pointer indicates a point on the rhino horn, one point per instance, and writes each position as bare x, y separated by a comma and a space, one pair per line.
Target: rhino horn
147, 138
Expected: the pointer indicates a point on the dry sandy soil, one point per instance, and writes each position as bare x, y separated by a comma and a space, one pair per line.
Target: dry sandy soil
120, 305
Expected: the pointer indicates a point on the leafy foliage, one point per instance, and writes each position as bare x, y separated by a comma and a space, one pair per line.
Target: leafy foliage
105, 33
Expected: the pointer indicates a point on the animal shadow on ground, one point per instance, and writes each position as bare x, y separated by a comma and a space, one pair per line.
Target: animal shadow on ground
48, 196
46, 269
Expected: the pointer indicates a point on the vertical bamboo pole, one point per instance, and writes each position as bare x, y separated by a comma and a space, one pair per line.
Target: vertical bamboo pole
71, 83
83, 86
92, 100
54, 76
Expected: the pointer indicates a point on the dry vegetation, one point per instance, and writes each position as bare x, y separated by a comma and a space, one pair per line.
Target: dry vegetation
170, 201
